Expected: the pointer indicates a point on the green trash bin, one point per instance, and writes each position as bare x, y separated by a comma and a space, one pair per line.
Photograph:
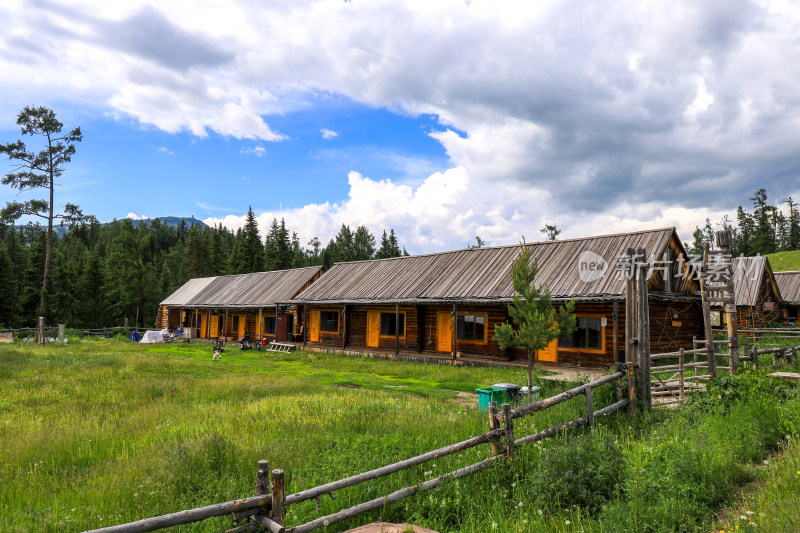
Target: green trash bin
491, 394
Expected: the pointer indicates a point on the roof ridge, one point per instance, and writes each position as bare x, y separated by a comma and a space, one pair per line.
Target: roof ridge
501, 246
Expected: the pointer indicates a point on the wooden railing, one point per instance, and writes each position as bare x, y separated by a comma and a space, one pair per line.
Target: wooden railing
268, 508
684, 377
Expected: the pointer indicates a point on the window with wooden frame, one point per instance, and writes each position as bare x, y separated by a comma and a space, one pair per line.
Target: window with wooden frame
269, 325
588, 335
471, 327
388, 325
329, 321
197, 322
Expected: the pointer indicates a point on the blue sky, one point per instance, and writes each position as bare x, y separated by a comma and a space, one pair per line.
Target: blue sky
443, 120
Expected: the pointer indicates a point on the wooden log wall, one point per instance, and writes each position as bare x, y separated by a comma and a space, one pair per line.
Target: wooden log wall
673, 325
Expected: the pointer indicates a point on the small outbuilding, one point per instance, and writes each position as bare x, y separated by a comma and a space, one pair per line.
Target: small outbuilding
758, 298
789, 286
232, 306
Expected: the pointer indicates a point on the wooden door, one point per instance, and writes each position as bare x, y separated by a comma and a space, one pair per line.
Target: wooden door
282, 328
314, 331
444, 332
214, 327
549, 354
373, 328
242, 326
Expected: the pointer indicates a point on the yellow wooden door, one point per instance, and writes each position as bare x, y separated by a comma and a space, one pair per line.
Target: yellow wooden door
214, 323
373, 328
314, 332
242, 326
549, 354
444, 332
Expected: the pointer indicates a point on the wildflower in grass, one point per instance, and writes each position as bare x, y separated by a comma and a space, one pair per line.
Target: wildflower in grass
520, 504
494, 525
752, 524
539, 511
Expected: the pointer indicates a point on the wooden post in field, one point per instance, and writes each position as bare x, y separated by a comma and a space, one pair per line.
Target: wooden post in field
61, 328
711, 358
755, 356
681, 370
643, 330
589, 407
494, 423
508, 422
631, 380
278, 496
262, 478
724, 242
40, 331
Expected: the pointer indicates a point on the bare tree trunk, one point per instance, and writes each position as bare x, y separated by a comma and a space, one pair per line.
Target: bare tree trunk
530, 372
43, 298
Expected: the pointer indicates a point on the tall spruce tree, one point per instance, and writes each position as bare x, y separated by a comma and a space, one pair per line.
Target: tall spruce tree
363, 244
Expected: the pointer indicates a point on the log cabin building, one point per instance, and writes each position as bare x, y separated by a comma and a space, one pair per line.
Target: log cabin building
758, 298
232, 306
789, 286
450, 302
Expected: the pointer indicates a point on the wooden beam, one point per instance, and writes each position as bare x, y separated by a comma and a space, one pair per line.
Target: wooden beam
344, 326
397, 329
455, 340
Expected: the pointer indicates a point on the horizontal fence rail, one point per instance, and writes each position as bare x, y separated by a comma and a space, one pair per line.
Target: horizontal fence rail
269, 510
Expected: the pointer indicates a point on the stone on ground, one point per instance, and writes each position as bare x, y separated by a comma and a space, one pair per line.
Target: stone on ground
383, 527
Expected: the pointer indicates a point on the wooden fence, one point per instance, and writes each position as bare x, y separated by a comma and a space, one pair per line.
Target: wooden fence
685, 374
267, 509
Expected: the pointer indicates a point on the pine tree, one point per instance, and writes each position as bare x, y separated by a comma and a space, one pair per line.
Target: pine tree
198, 256
793, 225
251, 249
39, 170
763, 236
9, 297
537, 319
91, 287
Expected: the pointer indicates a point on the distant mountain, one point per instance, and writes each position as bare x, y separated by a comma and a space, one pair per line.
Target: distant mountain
59, 231
171, 221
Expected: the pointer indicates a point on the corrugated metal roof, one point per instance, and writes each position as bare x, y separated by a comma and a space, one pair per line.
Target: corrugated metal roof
188, 290
482, 274
748, 273
789, 285
259, 289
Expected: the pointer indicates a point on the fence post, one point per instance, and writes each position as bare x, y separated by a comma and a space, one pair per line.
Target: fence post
755, 356
262, 478
680, 365
61, 329
794, 354
631, 382
494, 423
589, 409
509, 424
278, 495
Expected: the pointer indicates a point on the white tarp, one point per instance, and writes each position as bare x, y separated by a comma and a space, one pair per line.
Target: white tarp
152, 336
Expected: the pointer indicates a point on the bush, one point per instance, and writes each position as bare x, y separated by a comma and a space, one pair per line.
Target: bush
583, 472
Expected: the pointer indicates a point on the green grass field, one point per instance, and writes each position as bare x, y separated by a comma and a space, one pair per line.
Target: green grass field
98, 433
783, 261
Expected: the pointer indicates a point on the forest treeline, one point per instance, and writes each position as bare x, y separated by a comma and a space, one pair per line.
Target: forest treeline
764, 230
103, 273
